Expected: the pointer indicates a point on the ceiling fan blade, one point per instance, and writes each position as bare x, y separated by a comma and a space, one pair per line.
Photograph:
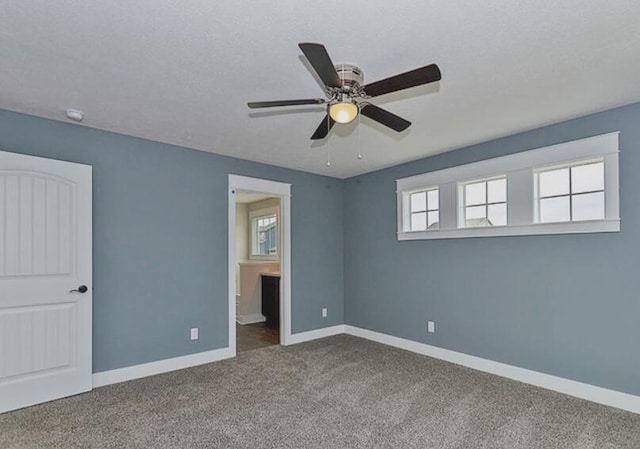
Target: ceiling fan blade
424, 75
323, 129
321, 62
271, 104
384, 117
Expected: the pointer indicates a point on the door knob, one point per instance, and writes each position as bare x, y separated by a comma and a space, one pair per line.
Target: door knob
81, 289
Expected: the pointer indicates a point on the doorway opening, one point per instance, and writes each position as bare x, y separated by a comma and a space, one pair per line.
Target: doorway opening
259, 264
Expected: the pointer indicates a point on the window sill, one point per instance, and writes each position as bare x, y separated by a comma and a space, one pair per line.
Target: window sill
576, 227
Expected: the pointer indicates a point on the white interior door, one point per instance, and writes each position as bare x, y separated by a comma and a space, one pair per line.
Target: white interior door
45, 254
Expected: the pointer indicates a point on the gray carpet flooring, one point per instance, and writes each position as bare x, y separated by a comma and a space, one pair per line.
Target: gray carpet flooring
338, 392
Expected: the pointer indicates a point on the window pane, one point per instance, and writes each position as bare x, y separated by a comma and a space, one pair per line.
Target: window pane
264, 223
475, 212
418, 201
475, 216
265, 239
419, 221
433, 220
588, 206
433, 199
554, 209
554, 182
498, 214
497, 190
475, 193
587, 178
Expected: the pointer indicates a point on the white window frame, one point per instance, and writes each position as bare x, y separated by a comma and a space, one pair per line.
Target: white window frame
462, 199
407, 211
519, 169
253, 217
571, 194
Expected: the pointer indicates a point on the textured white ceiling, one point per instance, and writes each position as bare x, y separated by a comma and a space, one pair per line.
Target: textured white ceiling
182, 72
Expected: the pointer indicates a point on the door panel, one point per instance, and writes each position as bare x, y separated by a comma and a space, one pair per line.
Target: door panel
37, 229
42, 339
45, 253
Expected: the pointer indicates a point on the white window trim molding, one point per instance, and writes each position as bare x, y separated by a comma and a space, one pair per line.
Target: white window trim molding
519, 168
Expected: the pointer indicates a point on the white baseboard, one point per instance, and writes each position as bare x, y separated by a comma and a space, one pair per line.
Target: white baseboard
164, 366
250, 319
580, 390
301, 337
161, 366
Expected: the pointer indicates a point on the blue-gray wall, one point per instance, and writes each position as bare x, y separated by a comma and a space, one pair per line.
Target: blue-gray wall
160, 239
567, 305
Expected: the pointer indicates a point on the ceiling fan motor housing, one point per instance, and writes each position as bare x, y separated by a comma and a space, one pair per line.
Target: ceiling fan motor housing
350, 75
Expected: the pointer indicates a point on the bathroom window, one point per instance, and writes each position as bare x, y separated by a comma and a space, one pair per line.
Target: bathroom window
264, 234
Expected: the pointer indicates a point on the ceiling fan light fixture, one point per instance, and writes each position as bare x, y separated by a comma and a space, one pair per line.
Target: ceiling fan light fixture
343, 112
348, 95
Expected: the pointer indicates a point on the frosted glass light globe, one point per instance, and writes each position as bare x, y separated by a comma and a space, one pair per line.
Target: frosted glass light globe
343, 112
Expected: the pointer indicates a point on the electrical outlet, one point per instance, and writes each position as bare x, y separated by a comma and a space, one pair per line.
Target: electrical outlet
324, 312
431, 327
194, 333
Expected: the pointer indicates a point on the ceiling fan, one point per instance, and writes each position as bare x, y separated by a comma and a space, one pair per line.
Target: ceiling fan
347, 96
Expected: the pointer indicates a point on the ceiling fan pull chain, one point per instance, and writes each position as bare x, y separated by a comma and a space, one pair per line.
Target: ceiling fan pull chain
359, 140
328, 141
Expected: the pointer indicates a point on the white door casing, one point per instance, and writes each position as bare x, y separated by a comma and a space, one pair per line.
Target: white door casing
45, 253
283, 192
